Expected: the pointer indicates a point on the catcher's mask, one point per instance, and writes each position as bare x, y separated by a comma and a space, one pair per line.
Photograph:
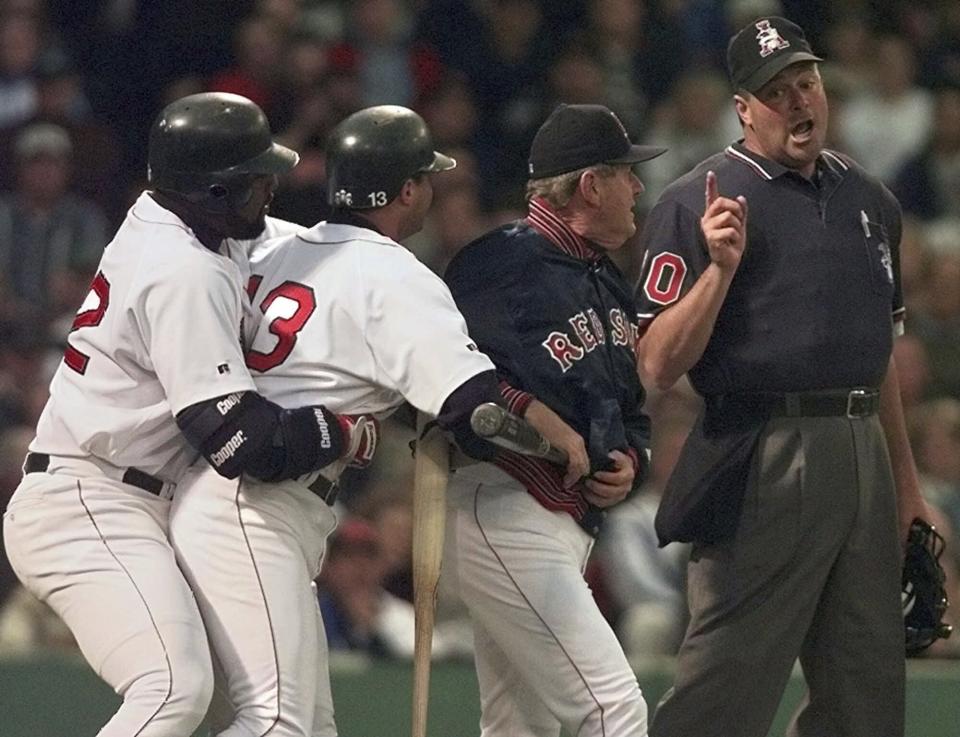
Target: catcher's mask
923, 594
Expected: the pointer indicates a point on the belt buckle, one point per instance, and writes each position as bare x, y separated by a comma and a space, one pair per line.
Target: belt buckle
855, 396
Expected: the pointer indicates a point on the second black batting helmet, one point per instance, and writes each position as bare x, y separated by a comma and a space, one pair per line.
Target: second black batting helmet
371, 153
207, 147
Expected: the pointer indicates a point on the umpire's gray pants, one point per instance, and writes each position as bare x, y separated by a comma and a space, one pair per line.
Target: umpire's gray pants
813, 572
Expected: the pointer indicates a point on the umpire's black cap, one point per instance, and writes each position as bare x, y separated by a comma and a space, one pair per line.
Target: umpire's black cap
764, 48
577, 136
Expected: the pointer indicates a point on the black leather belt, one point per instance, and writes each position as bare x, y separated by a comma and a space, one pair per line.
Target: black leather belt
846, 403
40, 462
325, 489
859, 402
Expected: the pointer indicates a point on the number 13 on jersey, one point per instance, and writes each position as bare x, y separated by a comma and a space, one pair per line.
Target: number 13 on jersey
289, 306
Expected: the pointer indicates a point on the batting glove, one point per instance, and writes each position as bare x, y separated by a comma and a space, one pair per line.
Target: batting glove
362, 433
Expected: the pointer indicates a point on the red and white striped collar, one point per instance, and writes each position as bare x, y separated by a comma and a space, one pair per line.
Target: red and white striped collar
767, 169
544, 219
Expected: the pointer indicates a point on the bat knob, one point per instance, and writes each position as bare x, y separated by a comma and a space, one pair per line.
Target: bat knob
486, 420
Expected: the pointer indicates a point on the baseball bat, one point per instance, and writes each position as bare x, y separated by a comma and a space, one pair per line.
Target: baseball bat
429, 512
503, 428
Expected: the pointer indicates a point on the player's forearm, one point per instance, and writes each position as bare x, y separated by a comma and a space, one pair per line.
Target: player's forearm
677, 337
245, 433
553, 427
457, 408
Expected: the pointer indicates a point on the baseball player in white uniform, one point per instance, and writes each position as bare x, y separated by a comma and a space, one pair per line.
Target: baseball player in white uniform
351, 319
153, 373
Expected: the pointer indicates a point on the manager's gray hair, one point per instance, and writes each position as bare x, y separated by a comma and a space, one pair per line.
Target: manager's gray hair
559, 190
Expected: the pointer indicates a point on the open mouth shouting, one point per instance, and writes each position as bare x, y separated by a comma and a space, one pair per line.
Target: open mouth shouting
802, 131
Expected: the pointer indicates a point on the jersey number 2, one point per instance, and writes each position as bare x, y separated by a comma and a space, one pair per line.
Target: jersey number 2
285, 327
99, 290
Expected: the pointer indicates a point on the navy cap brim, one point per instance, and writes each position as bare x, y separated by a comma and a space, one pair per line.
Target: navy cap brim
441, 162
636, 154
768, 71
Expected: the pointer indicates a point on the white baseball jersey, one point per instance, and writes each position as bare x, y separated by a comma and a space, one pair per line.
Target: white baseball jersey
350, 319
158, 332
346, 318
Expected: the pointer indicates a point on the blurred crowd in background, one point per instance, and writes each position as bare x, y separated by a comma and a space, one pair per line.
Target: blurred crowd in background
80, 83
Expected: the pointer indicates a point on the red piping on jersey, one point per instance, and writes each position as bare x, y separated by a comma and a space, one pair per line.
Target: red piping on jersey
517, 400
544, 482
545, 220
542, 479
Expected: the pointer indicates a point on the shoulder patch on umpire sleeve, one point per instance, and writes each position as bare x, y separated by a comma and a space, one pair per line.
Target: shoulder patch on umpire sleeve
664, 278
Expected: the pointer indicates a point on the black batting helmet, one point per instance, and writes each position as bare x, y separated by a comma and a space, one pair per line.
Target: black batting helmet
371, 153
207, 147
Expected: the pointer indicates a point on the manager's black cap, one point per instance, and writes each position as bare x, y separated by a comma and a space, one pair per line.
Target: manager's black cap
577, 136
764, 48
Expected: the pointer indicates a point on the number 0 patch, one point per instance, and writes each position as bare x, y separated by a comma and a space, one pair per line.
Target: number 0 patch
665, 278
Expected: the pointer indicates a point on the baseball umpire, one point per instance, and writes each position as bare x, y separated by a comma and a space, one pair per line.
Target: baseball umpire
347, 318
154, 372
543, 299
793, 479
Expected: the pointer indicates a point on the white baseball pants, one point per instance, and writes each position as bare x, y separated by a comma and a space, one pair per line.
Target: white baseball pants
545, 655
251, 551
96, 551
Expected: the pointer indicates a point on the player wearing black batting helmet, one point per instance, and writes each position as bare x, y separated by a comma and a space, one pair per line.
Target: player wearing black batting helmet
209, 148
359, 346
153, 376
371, 153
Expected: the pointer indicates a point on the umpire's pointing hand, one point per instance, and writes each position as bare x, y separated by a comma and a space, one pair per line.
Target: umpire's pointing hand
724, 225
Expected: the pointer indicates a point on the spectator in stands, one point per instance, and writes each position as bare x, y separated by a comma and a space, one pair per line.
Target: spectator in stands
906, 112
351, 589
928, 184
507, 65
392, 66
389, 510
20, 47
648, 582
258, 51
304, 114
50, 239
935, 437
913, 370
617, 32
693, 123
916, 263
849, 65
451, 113
96, 159
939, 41
577, 77
359, 615
938, 323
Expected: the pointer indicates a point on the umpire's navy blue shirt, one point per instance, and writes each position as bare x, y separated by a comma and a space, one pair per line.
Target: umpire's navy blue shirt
814, 300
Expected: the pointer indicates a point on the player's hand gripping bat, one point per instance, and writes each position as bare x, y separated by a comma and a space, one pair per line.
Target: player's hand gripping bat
500, 427
429, 512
